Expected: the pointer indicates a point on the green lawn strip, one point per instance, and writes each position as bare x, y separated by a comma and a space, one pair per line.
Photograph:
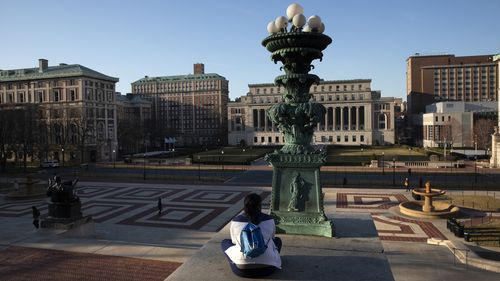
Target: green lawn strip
477, 202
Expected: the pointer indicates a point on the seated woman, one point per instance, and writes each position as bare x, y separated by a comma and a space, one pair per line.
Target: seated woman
267, 262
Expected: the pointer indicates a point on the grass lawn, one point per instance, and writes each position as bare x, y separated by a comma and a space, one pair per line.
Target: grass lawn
232, 155
344, 156
478, 202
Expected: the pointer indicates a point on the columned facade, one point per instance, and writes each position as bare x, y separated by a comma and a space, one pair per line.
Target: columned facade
352, 109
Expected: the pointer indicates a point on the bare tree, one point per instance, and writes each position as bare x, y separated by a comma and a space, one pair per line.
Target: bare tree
483, 129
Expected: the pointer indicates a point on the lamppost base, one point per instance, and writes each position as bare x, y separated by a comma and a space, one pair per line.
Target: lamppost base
297, 197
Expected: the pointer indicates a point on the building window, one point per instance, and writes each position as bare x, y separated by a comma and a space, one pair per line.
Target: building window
56, 95
262, 139
269, 139
277, 139
346, 138
338, 138
72, 95
354, 138
361, 138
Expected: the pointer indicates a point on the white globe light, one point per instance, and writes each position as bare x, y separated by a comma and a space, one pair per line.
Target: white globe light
271, 27
281, 22
314, 22
306, 28
321, 28
293, 10
299, 20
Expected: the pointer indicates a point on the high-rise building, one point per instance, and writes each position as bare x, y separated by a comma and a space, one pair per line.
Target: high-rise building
355, 115
75, 105
435, 78
432, 78
192, 108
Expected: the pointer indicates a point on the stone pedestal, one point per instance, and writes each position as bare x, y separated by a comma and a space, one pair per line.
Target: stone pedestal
428, 207
64, 216
495, 149
297, 197
71, 210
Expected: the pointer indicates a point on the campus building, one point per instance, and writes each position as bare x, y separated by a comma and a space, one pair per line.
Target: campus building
355, 115
456, 124
434, 78
75, 104
133, 115
192, 108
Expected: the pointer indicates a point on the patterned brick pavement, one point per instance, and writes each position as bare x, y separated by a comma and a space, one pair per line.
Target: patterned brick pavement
29, 264
183, 207
396, 228
390, 227
369, 200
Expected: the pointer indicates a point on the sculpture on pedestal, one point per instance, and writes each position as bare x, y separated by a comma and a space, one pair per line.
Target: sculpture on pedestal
297, 199
65, 209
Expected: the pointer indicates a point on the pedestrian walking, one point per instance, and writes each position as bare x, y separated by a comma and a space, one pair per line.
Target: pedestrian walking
407, 184
36, 216
160, 206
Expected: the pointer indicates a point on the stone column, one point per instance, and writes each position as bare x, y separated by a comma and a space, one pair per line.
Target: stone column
349, 118
341, 118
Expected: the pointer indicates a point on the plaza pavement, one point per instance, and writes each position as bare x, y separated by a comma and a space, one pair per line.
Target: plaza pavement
373, 242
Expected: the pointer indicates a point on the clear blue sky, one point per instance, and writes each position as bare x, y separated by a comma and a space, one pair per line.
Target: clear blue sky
131, 39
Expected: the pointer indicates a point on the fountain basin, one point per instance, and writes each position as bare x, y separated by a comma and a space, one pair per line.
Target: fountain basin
441, 210
434, 192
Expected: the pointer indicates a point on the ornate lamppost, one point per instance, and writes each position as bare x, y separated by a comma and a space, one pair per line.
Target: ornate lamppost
297, 198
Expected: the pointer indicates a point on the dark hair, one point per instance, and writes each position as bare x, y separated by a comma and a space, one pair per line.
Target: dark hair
252, 207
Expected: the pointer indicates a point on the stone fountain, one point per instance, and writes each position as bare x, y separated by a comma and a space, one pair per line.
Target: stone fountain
26, 188
428, 208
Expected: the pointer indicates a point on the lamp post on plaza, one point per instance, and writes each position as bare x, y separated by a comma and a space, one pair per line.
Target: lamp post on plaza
393, 171
62, 152
383, 163
144, 166
222, 161
475, 169
362, 159
199, 164
114, 158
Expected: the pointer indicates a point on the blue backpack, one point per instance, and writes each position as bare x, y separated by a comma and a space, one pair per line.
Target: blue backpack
252, 241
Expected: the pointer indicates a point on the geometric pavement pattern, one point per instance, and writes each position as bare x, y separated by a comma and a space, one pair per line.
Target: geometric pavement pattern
396, 228
389, 227
369, 200
185, 208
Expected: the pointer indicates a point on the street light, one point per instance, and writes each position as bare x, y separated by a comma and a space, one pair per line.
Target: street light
199, 163
475, 169
393, 171
362, 164
114, 158
383, 163
222, 161
62, 152
144, 167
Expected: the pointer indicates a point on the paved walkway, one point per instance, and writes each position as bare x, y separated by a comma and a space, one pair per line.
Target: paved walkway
28, 264
372, 239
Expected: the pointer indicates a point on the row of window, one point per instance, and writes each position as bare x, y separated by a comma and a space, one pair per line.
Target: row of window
344, 97
321, 88
278, 140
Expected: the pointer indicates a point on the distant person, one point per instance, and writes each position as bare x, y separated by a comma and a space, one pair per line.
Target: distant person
36, 216
160, 206
406, 184
263, 264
